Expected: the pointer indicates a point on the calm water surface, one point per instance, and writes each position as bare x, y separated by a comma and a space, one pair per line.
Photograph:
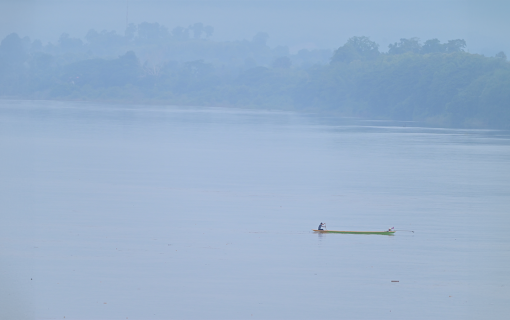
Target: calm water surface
144, 212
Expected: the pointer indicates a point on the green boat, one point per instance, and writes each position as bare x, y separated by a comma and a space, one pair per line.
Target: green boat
387, 232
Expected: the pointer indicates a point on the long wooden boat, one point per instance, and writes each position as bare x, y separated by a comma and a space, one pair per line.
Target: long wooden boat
387, 232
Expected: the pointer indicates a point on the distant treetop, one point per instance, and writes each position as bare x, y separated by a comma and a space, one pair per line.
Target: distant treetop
362, 48
430, 46
356, 48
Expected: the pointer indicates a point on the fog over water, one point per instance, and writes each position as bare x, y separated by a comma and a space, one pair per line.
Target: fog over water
297, 24
115, 212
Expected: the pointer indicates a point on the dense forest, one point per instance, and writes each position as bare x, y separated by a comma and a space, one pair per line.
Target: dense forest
437, 83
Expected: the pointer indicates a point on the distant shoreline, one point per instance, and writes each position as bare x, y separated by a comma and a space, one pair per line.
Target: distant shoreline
409, 123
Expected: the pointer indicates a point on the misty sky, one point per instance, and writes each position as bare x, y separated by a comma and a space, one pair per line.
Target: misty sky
298, 24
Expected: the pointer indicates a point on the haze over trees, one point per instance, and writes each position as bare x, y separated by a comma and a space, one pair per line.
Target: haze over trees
428, 81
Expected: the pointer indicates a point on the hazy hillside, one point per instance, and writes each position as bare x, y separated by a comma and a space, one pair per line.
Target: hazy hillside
435, 82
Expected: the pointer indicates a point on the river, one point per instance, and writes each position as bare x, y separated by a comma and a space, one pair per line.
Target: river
113, 211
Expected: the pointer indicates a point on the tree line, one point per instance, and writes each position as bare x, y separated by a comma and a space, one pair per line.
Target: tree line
438, 83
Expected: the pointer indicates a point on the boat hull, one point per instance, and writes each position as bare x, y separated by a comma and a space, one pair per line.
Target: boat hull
356, 232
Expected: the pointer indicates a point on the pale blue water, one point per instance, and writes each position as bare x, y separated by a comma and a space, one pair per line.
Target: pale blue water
145, 212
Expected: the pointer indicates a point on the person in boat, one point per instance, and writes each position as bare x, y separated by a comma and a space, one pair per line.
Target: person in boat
321, 225
391, 229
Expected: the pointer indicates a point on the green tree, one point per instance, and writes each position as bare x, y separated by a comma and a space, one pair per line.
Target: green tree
12, 51
433, 46
405, 45
356, 48
456, 45
197, 29
501, 55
